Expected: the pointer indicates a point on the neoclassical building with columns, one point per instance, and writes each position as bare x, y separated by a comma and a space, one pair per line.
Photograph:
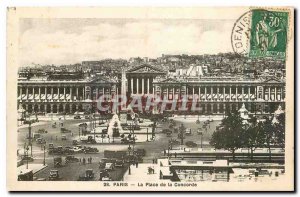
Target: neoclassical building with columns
216, 94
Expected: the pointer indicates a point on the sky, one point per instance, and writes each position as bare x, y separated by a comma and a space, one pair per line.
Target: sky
69, 41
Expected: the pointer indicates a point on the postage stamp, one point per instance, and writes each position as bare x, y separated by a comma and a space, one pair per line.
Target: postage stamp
268, 34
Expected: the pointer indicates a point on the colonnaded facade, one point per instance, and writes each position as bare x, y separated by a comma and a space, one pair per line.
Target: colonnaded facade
261, 95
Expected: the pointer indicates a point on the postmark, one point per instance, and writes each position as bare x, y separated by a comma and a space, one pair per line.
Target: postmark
241, 33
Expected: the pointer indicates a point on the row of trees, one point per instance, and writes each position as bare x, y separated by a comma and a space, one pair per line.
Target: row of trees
234, 134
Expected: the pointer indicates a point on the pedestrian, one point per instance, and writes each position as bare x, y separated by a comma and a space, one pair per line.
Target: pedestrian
164, 152
80, 160
153, 160
72, 134
83, 161
137, 164
91, 160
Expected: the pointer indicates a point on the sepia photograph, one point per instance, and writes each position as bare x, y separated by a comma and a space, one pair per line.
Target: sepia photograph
150, 99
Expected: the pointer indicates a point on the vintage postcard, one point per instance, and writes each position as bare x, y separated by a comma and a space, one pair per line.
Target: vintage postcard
150, 99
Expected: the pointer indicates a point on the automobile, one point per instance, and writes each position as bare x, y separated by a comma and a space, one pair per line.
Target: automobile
64, 130
51, 145
199, 131
109, 166
191, 144
54, 175
75, 142
42, 131
87, 150
88, 175
68, 150
77, 149
119, 163
104, 131
140, 152
188, 131
87, 117
37, 135
26, 158
104, 176
63, 137
54, 125
57, 162
77, 117
71, 159
41, 141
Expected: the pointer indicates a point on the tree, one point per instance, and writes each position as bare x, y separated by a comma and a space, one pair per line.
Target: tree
252, 137
268, 135
229, 136
279, 130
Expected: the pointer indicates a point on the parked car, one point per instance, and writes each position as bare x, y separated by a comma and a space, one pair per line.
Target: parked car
71, 159
54, 175
77, 117
41, 141
119, 163
87, 150
75, 142
77, 149
109, 166
88, 175
63, 137
57, 162
64, 130
42, 131
191, 144
188, 131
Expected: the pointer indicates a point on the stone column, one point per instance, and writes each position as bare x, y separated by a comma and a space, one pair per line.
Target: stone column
46, 92
143, 84
173, 93
51, 108
193, 91
249, 92
230, 93
77, 94
236, 91
71, 96
97, 92
131, 84
205, 93
269, 93
243, 89
148, 85
199, 93
218, 93
137, 85
58, 93
65, 93
281, 93
27, 95
21, 92
33, 92
275, 93
51, 96
39, 93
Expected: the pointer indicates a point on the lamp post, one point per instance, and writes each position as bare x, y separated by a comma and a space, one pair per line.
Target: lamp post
181, 130
201, 136
44, 155
129, 150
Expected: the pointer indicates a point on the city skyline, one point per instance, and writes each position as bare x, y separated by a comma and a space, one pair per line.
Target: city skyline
70, 41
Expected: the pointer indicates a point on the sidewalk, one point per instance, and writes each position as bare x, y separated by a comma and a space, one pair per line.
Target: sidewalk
34, 167
140, 173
